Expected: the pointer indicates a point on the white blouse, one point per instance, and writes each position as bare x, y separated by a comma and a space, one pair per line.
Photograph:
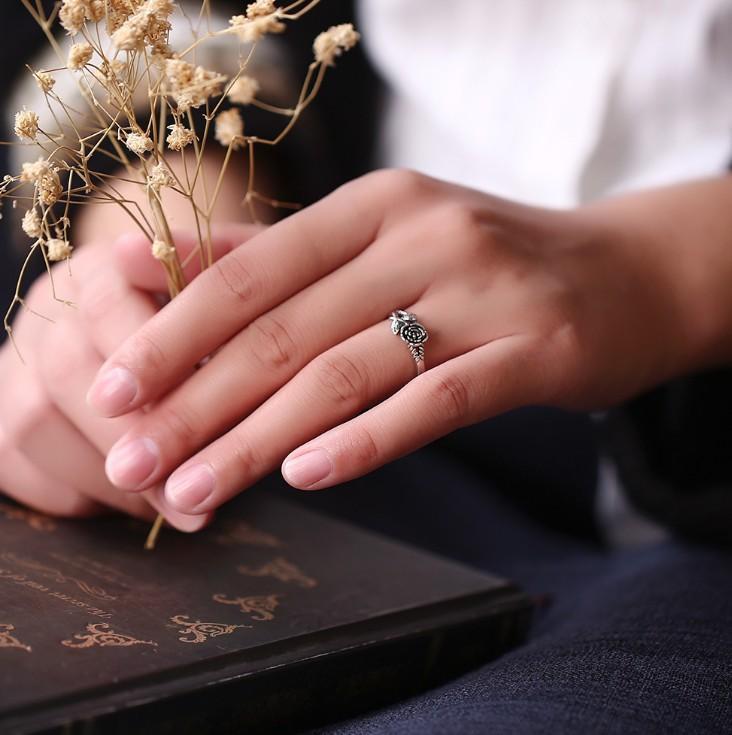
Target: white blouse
555, 102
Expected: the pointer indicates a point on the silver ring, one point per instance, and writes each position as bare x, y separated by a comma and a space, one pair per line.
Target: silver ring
404, 324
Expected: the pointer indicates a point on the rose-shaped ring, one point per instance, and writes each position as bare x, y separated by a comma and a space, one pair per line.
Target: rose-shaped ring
404, 324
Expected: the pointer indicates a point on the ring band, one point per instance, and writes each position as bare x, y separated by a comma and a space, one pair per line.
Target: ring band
404, 324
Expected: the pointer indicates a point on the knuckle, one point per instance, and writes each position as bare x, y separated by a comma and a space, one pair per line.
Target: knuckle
234, 278
401, 182
271, 343
365, 450
37, 411
97, 297
180, 426
62, 355
145, 354
245, 461
342, 378
449, 396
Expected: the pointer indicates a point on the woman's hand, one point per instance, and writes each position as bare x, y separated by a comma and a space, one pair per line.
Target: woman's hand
52, 445
577, 309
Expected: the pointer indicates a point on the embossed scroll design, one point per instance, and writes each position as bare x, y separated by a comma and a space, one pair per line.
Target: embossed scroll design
197, 632
101, 634
241, 533
7, 640
57, 576
37, 521
282, 570
261, 607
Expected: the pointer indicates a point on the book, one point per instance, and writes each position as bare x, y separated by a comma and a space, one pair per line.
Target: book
273, 619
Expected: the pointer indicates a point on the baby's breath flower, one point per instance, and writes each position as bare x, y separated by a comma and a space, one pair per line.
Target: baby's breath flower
230, 129
260, 7
26, 125
74, 13
118, 11
149, 24
44, 81
44, 175
243, 90
251, 30
179, 137
79, 55
31, 224
191, 86
162, 251
58, 249
333, 42
139, 143
159, 177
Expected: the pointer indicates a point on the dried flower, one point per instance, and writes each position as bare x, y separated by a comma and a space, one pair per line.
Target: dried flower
26, 125
31, 224
44, 175
58, 249
253, 29
243, 90
179, 137
44, 81
139, 143
162, 251
159, 177
149, 25
230, 128
191, 86
333, 42
74, 13
79, 55
260, 7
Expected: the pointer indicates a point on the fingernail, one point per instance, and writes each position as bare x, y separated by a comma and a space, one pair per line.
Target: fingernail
189, 487
308, 469
129, 465
112, 392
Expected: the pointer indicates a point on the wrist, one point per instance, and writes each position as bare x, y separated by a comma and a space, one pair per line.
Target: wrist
679, 242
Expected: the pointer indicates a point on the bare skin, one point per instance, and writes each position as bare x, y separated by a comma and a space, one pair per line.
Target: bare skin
580, 309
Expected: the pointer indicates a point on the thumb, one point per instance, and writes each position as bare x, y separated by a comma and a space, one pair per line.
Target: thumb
134, 258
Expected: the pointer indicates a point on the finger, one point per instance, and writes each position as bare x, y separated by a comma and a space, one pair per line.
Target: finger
48, 441
256, 363
21, 480
503, 375
133, 256
67, 378
276, 264
333, 388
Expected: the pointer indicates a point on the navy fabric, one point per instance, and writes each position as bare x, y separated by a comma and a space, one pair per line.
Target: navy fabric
627, 641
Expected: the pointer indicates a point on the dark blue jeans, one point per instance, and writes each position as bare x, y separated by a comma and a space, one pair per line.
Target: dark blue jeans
628, 642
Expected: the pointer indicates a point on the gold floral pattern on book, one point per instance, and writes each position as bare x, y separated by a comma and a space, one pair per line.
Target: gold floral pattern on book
101, 634
197, 632
7, 640
282, 570
37, 521
241, 533
260, 607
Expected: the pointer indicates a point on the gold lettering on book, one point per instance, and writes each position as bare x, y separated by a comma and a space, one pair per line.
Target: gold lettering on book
37, 521
10, 641
281, 569
56, 575
241, 533
262, 607
21, 580
101, 634
197, 632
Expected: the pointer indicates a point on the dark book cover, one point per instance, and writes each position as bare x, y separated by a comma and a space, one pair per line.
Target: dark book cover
274, 619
